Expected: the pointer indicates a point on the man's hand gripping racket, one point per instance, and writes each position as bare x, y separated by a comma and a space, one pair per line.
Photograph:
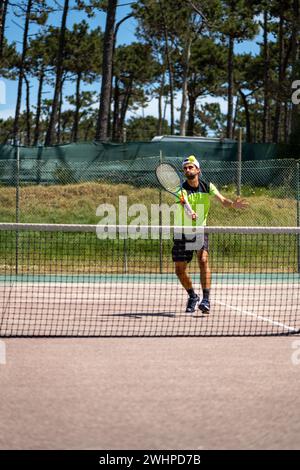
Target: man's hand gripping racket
171, 181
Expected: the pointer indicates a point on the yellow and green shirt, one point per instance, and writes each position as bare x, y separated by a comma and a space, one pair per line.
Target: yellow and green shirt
199, 200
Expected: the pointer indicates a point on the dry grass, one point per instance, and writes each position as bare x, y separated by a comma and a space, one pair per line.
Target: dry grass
77, 203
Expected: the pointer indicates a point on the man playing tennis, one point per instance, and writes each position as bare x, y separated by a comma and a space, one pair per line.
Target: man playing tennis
198, 193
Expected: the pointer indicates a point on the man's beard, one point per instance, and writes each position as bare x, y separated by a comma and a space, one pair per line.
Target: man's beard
191, 177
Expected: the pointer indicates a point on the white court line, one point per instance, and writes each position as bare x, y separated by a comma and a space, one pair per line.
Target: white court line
259, 317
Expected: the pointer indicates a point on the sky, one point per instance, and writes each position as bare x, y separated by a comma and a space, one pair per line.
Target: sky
126, 35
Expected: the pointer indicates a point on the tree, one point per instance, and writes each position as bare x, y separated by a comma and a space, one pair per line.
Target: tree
249, 81
206, 74
285, 49
107, 61
40, 63
266, 54
210, 118
9, 64
83, 61
59, 74
3, 12
236, 24
135, 68
83, 110
34, 11
193, 27
171, 28
157, 26
295, 73
144, 128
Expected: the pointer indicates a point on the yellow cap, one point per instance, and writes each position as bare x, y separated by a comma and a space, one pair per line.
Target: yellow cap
191, 159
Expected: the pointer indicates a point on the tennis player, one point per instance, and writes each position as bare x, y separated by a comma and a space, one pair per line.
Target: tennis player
198, 193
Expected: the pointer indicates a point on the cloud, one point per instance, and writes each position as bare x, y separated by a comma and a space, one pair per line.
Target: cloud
6, 113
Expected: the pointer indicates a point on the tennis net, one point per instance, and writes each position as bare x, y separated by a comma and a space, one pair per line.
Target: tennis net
69, 280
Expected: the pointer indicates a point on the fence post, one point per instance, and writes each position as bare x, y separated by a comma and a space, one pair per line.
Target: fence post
298, 215
17, 201
160, 223
239, 162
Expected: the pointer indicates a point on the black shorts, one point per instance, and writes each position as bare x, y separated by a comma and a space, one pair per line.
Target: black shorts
179, 251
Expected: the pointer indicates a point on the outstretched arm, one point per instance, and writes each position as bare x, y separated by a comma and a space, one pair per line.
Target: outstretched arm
237, 204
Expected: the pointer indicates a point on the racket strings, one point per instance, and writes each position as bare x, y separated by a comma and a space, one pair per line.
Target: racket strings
168, 177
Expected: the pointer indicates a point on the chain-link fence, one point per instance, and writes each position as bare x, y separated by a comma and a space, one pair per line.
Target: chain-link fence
54, 191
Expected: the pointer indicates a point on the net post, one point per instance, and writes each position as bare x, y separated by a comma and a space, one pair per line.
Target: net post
239, 162
298, 214
160, 222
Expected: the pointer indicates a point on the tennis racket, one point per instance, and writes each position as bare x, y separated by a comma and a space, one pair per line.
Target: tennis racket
170, 179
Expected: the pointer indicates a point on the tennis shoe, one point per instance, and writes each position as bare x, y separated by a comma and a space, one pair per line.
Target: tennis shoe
192, 303
204, 306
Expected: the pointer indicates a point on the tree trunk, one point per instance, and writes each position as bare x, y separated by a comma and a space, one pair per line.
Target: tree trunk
110, 131
247, 115
230, 88
107, 63
60, 129
255, 128
21, 72
76, 115
160, 96
266, 112
235, 114
63, 128
28, 117
165, 108
159, 122
191, 115
169, 66
171, 85
123, 110
3, 12
280, 79
38, 107
187, 54
116, 110
286, 123
59, 73
118, 131
86, 133
295, 113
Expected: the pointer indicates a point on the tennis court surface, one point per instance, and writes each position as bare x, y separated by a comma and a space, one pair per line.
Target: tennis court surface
62, 280
150, 393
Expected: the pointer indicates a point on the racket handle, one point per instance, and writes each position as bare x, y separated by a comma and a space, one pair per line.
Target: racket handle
190, 211
188, 208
